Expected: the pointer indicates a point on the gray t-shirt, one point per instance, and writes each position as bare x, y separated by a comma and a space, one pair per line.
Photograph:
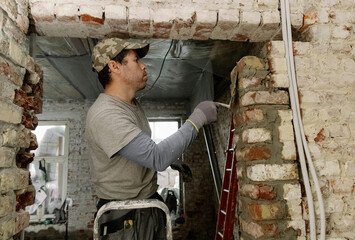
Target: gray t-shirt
111, 124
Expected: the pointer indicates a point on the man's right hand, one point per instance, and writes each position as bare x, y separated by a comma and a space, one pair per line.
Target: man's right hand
204, 113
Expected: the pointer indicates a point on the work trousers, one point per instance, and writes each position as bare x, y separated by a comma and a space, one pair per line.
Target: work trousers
136, 224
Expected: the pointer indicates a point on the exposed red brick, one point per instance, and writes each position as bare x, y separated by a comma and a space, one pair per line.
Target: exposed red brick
140, 26
37, 104
24, 158
29, 121
264, 211
20, 98
25, 199
240, 38
257, 153
259, 230
38, 90
266, 192
90, 19
33, 145
28, 103
259, 191
203, 31
253, 114
320, 136
162, 30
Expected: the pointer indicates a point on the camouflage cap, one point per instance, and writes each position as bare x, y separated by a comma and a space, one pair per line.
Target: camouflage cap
109, 48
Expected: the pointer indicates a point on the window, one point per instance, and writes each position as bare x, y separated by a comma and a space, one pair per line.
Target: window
49, 169
161, 130
168, 180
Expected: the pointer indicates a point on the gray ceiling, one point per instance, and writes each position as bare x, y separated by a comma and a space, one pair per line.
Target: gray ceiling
68, 72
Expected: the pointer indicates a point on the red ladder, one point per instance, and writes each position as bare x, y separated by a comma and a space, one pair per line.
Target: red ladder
228, 200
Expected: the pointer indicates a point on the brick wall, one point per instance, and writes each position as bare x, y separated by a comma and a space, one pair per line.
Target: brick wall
328, 120
200, 197
269, 198
326, 80
236, 20
20, 101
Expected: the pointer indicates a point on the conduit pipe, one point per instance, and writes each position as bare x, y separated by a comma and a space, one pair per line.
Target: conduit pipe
302, 146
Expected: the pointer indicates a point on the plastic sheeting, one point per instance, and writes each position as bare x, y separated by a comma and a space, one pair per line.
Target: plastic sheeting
187, 72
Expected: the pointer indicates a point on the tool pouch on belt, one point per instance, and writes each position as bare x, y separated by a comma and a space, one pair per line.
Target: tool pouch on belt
138, 224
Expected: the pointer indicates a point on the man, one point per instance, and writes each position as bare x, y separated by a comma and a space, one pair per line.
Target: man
123, 157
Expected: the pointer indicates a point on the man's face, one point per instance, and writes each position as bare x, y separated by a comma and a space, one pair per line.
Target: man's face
133, 71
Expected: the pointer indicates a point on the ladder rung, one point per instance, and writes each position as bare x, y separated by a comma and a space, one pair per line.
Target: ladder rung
228, 169
224, 212
220, 234
225, 190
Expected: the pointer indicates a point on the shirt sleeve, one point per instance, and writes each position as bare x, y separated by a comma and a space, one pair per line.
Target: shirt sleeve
112, 131
145, 152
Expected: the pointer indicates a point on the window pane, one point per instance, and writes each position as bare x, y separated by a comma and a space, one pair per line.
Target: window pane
47, 178
162, 129
169, 178
50, 140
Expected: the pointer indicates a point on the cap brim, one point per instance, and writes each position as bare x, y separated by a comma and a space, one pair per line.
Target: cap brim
141, 49
142, 52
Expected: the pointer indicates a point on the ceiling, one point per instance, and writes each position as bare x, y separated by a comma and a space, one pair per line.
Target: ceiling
188, 65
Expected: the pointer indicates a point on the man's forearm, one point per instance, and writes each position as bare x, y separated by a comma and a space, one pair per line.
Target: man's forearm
145, 152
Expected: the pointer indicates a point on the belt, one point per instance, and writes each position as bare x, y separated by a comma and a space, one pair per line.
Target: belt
102, 201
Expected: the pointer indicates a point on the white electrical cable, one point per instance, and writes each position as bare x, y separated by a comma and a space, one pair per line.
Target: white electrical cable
299, 131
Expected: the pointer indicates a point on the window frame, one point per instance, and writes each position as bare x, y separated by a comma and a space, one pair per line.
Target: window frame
64, 159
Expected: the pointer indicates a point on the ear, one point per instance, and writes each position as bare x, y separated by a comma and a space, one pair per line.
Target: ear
114, 67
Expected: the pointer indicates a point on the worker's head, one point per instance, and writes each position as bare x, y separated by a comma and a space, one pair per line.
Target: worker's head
111, 51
